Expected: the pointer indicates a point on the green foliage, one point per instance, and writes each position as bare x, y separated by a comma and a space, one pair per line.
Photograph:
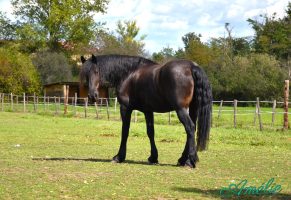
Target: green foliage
17, 74
52, 67
7, 31
31, 37
272, 35
126, 42
58, 23
166, 54
248, 77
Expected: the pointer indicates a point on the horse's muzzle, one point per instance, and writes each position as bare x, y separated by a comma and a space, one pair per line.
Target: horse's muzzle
93, 97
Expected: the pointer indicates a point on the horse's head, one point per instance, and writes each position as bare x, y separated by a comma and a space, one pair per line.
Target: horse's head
91, 74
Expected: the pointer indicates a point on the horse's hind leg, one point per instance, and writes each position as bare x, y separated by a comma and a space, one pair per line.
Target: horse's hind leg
153, 159
189, 155
125, 116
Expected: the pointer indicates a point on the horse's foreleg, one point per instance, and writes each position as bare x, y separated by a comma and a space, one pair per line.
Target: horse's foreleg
153, 159
125, 116
189, 156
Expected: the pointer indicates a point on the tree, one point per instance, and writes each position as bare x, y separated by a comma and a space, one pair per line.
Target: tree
8, 29
196, 50
190, 37
272, 34
166, 54
125, 42
68, 22
52, 67
127, 36
17, 73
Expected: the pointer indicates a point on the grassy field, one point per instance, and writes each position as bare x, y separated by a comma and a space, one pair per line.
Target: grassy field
47, 157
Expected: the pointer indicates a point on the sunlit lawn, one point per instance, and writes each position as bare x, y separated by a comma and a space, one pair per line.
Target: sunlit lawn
47, 157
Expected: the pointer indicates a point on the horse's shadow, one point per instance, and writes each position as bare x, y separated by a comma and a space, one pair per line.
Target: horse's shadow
101, 160
215, 193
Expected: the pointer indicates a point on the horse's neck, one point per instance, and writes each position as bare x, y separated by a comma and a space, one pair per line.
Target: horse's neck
117, 73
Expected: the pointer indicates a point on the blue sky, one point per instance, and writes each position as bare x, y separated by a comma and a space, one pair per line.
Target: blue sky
166, 21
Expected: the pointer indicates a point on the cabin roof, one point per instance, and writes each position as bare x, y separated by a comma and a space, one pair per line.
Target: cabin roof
75, 83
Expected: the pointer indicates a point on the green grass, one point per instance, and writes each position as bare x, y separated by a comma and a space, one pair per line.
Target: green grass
47, 157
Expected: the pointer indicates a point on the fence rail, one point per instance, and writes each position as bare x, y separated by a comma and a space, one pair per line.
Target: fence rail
258, 114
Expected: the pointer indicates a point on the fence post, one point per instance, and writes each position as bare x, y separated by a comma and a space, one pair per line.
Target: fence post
75, 104
286, 98
3, 99
259, 113
273, 112
170, 117
34, 106
115, 104
37, 101
48, 103
101, 101
56, 107
85, 106
256, 113
44, 101
107, 108
96, 107
11, 102
24, 106
59, 105
220, 109
17, 103
234, 112
66, 95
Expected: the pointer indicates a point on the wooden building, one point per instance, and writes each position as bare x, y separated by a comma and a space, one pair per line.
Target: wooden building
58, 90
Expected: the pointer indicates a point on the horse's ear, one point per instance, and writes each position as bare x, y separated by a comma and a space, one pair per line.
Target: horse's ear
94, 59
83, 59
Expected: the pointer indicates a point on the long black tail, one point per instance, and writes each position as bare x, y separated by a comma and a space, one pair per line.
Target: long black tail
201, 106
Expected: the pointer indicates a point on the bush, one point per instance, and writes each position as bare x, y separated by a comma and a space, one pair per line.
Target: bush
257, 75
17, 73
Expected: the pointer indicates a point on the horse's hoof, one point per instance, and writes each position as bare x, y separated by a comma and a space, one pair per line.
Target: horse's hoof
181, 162
153, 161
190, 164
116, 159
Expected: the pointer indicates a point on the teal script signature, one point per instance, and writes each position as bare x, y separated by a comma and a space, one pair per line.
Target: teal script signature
267, 188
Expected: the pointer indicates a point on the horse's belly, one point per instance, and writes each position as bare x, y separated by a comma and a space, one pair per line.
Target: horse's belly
153, 104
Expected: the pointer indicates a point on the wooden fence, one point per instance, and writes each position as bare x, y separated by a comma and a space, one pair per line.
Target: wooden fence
258, 114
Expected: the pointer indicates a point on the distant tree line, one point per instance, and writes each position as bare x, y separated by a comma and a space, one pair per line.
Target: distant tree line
246, 67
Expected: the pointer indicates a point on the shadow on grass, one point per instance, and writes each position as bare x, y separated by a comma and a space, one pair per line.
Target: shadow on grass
100, 160
215, 193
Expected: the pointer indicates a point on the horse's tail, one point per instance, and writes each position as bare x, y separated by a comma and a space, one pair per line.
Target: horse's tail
201, 106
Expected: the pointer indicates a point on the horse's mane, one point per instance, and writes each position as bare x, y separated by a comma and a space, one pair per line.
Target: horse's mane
115, 68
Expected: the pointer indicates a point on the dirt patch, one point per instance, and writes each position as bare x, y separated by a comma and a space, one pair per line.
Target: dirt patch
168, 140
107, 135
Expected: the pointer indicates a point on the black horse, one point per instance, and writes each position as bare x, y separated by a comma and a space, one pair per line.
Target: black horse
144, 85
